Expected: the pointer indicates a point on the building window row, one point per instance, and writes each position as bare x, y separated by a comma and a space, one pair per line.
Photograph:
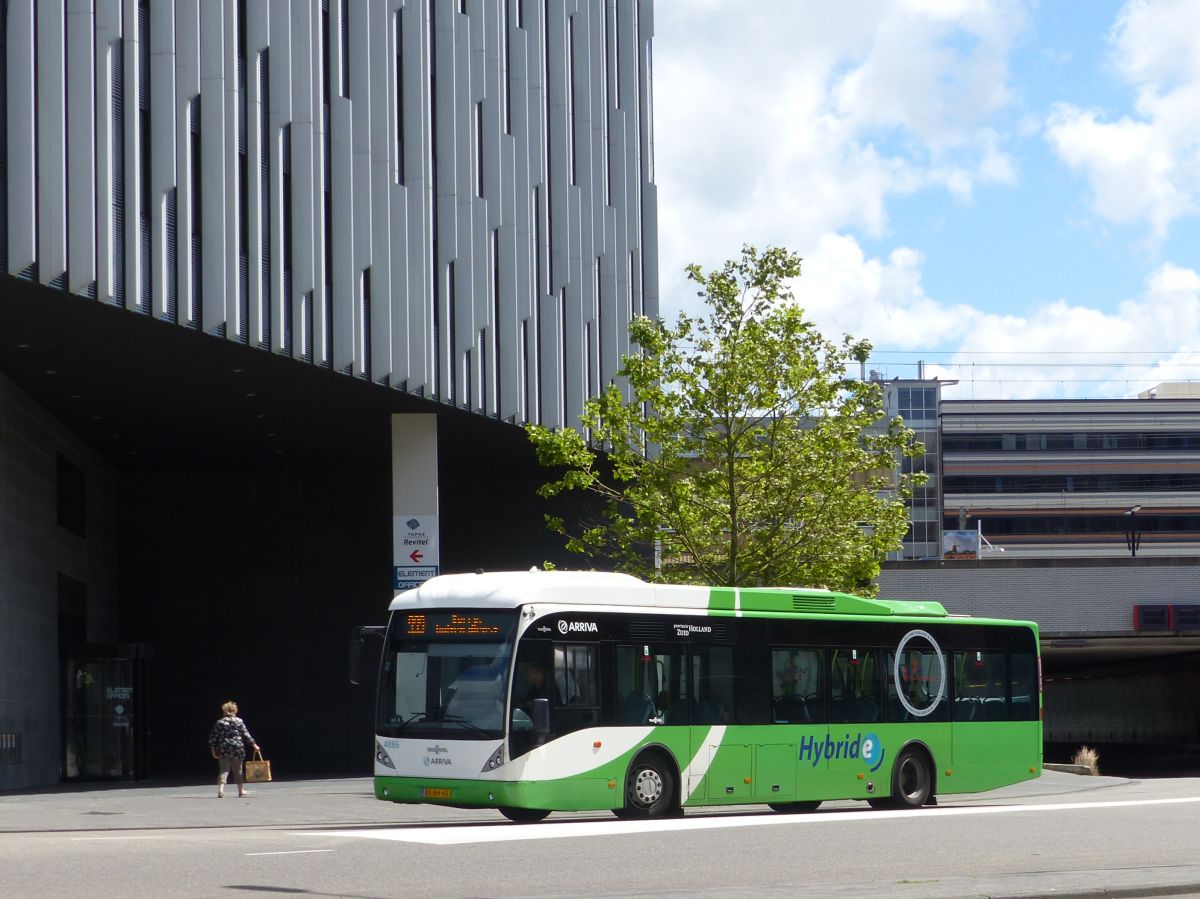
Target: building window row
1002, 526
1073, 483
1016, 442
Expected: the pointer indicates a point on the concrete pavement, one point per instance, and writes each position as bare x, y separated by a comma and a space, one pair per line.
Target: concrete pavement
153, 806
335, 801
67, 818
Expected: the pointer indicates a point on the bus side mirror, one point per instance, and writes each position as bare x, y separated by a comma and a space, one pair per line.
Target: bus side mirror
541, 716
359, 656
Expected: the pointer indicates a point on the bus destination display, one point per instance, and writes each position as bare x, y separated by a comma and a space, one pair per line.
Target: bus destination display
455, 625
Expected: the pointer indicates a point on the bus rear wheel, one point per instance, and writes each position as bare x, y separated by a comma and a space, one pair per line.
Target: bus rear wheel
911, 780
649, 788
524, 815
789, 808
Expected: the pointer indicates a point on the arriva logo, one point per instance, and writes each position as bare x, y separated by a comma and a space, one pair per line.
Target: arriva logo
864, 746
578, 627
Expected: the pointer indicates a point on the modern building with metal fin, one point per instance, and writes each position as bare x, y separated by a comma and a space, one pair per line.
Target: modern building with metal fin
237, 239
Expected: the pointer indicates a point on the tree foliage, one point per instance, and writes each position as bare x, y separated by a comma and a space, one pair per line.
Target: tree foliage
737, 449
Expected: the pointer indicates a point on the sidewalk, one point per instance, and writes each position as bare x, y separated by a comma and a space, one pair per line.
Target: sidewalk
149, 806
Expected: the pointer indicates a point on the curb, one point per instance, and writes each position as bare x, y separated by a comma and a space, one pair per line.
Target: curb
1067, 769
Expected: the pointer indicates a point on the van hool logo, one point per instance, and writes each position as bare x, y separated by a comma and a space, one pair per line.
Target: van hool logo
866, 747
577, 627
436, 757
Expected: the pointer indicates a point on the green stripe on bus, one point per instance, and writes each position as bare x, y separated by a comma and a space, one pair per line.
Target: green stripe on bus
721, 599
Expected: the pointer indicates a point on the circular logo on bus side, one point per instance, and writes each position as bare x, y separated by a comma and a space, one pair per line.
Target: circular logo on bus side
871, 751
919, 684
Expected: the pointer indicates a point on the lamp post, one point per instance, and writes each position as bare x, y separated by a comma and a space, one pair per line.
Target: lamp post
1133, 537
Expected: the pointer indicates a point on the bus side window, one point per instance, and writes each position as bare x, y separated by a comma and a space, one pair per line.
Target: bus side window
1024, 687
980, 685
797, 694
712, 682
650, 686
855, 686
752, 685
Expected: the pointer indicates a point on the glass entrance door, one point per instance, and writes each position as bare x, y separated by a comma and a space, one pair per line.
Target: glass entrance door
102, 718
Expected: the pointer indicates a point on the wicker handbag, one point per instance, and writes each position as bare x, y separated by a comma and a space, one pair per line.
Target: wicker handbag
258, 769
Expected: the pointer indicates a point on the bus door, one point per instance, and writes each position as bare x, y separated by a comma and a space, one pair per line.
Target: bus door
576, 686
852, 745
724, 755
533, 679
802, 721
566, 674
980, 701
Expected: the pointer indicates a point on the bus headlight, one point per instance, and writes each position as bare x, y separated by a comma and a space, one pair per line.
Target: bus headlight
382, 757
496, 760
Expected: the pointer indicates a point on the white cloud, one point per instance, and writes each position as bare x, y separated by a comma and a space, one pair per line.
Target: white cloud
932, 69
1057, 349
778, 122
844, 292
799, 123
1156, 42
1063, 350
1143, 169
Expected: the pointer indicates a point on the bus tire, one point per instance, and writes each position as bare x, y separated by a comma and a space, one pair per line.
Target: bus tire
912, 782
524, 815
789, 808
649, 788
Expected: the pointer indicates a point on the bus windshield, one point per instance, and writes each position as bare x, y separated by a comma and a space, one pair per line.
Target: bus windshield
448, 684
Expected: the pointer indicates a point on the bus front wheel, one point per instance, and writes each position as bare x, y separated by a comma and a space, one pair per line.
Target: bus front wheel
649, 788
524, 815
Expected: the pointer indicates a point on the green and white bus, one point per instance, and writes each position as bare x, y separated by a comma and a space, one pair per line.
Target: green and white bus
537, 691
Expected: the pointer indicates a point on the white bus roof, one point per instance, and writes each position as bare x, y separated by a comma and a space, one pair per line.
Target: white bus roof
513, 589
510, 589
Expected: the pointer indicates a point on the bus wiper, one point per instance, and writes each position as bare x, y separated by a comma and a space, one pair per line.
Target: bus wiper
440, 715
409, 720
458, 719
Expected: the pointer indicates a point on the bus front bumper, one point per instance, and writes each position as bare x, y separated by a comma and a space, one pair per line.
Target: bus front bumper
575, 795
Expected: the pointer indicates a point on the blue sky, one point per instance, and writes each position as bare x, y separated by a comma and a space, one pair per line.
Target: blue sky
1009, 191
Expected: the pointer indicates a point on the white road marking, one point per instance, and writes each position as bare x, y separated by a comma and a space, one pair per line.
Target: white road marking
291, 852
504, 832
130, 837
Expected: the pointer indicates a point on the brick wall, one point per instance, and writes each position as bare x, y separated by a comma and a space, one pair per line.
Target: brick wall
1064, 596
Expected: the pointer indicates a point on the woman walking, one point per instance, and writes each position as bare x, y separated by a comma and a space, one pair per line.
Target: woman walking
227, 742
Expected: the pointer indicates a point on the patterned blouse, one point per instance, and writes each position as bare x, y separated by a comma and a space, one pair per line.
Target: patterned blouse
229, 737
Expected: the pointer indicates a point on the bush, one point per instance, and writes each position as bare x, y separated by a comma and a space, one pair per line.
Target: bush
1089, 758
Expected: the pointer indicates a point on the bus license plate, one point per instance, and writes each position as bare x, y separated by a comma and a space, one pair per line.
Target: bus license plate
434, 793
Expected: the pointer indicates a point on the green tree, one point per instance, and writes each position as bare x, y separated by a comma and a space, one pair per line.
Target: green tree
738, 450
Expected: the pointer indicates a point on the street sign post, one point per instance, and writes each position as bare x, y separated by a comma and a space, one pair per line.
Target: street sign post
415, 554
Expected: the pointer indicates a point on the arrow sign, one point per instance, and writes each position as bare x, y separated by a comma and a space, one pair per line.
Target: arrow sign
414, 548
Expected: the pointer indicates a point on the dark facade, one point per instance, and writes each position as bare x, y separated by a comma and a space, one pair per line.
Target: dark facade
236, 239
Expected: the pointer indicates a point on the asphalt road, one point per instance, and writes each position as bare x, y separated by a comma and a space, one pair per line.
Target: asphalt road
1061, 835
